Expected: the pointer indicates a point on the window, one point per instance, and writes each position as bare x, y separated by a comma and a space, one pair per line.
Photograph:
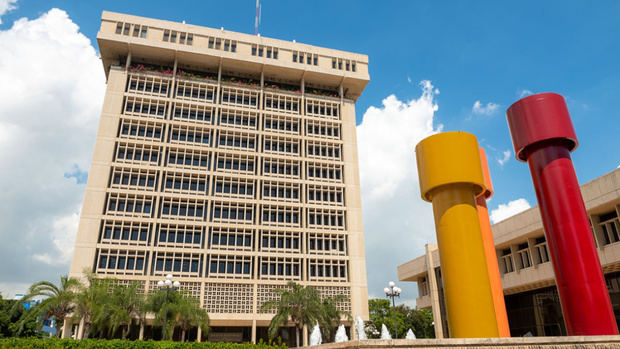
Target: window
237, 140
211, 42
523, 254
192, 113
323, 150
610, 227
230, 266
140, 129
326, 243
238, 118
353, 66
137, 153
326, 218
121, 262
295, 57
254, 50
126, 29
541, 252
143, 107
281, 191
234, 187
129, 205
166, 35
180, 235
181, 264
190, 135
182, 208
274, 167
322, 108
325, 195
224, 238
235, 163
280, 268
133, 178
186, 183
280, 216
196, 91
233, 212
119, 27
506, 262
125, 233
325, 172
190, 39
281, 123
279, 145
334, 63
188, 158
323, 129
282, 103
173, 36
148, 85
239, 97
327, 270
280, 241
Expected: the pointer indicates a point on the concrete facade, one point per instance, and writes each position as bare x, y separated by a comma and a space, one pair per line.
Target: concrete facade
229, 161
522, 252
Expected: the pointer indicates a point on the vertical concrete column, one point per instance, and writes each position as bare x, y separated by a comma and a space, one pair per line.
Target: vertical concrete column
433, 289
489, 250
254, 331
141, 335
199, 334
543, 136
451, 177
304, 332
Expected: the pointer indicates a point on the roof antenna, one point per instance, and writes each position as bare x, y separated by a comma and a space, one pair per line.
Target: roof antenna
257, 18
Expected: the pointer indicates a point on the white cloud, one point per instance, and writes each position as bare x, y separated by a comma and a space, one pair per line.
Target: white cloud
480, 109
397, 223
505, 157
408, 79
524, 93
504, 211
51, 93
6, 6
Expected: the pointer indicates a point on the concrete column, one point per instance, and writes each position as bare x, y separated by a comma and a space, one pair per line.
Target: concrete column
128, 62
199, 334
254, 331
304, 335
434, 290
141, 335
353, 332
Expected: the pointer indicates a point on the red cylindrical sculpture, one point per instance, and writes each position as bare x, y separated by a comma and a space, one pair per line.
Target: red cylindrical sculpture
543, 135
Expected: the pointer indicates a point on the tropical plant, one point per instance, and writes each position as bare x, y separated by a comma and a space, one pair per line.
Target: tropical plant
331, 315
90, 301
126, 303
58, 301
190, 314
297, 304
381, 312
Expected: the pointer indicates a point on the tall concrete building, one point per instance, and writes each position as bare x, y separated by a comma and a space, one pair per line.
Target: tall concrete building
527, 275
229, 161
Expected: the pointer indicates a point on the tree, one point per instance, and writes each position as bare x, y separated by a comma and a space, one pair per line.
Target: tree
331, 315
297, 304
189, 314
58, 300
125, 304
90, 301
381, 312
16, 321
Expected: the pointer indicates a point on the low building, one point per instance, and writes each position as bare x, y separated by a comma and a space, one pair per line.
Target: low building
532, 301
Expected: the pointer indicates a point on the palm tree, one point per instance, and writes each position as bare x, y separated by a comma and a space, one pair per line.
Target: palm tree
58, 300
189, 314
332, 316
90, 300
126, 303
155, 304
297, 304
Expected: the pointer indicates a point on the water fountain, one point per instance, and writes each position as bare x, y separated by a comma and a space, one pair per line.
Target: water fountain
385, 334
359, 327
410, 335
315, 336
341, 335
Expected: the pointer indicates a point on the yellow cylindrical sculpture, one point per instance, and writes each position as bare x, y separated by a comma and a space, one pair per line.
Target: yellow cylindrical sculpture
451, 177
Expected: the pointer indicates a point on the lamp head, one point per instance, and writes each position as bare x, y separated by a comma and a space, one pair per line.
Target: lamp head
392, 284
160, 283
168, 282
169, 277
176, 284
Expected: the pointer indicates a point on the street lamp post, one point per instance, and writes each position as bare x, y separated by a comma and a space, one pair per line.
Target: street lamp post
164, 285
393, 292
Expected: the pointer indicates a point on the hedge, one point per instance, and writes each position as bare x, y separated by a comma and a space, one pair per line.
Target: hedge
55, 343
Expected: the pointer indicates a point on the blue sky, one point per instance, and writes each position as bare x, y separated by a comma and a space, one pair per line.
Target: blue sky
489, 52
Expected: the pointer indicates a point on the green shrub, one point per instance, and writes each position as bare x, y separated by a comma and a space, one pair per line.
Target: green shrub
54, 343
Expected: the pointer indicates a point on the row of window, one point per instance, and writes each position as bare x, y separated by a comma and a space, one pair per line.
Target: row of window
265, 51
183, 235
192, 183
184, 38
341, 64
195, 209
192, 158
125, 29
523, 256
203, 92
111, 261
310, 59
